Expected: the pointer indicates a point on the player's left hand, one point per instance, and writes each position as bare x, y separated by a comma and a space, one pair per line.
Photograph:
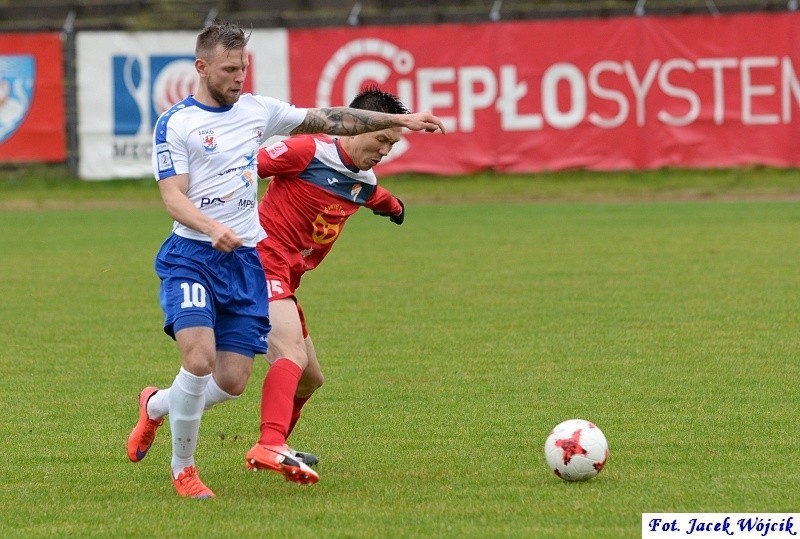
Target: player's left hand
423, 121
396, 219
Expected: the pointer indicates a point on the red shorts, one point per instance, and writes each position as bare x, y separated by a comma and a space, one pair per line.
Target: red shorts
283, 273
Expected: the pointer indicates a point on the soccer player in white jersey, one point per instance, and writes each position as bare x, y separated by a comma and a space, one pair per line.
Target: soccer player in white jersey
213, 290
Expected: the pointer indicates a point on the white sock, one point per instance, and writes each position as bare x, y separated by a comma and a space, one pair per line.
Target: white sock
158, 404
215, 394
186, 399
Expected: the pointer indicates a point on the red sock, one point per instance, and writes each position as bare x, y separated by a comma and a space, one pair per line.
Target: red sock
299, 402
277, 401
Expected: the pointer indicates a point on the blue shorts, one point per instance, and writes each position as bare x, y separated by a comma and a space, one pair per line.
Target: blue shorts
203, 287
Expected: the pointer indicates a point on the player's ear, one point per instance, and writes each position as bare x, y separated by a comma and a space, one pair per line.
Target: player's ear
201, 66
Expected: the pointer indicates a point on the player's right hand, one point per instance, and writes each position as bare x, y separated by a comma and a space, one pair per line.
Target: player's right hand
224, 239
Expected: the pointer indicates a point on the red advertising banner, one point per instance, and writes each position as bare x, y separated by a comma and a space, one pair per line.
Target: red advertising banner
600, 94
32, 121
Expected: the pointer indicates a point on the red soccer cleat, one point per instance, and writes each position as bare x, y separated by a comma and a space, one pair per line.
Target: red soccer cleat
280, 459
143, 434
188, 485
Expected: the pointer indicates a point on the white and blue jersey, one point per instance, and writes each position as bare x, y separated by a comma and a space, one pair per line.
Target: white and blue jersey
218, 147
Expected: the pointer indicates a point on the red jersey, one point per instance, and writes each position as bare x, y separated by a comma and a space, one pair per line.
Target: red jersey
314, 190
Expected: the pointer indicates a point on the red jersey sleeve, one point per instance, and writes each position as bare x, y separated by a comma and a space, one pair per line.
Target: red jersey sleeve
287, 157
382, 201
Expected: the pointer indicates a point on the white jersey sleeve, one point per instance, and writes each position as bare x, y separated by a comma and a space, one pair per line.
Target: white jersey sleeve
218, 148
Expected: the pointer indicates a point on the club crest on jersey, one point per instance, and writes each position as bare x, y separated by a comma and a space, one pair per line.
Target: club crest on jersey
355, 191
324, 232
209, 140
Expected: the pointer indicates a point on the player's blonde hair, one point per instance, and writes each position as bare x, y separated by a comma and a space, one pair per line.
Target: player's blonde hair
231, 36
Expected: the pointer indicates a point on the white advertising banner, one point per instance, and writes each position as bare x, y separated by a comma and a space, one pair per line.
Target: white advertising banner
127, 79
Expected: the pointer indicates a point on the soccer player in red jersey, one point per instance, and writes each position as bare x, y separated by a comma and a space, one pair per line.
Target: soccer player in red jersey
317, 184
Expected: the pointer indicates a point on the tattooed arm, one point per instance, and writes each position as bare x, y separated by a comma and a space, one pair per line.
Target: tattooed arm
347, 121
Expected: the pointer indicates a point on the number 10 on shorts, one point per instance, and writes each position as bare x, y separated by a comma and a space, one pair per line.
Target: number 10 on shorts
194, 295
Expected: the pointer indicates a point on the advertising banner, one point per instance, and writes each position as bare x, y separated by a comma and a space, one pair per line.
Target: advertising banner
600, 94
126, 80
32, 118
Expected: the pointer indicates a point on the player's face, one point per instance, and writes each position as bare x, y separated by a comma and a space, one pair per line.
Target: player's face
369, 148
223, 75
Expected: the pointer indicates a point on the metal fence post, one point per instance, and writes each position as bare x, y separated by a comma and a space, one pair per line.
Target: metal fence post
494, 13
71, 83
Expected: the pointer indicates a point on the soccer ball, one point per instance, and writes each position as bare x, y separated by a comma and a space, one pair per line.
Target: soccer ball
576, 450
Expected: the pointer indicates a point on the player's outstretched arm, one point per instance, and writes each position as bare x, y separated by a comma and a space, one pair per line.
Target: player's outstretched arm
346, 121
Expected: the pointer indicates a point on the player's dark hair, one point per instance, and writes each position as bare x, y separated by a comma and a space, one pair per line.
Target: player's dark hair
231, 36
373, 98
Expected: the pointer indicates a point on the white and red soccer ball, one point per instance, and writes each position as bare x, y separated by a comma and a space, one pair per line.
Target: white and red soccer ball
576, 450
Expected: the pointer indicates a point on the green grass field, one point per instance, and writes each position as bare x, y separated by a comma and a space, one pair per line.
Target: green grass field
666, 311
